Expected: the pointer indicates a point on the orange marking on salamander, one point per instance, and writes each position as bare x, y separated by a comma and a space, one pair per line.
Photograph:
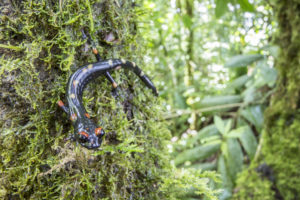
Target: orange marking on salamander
75, 82
60, 103
98, 131
87, 115
73, 117
84, 134
95, 51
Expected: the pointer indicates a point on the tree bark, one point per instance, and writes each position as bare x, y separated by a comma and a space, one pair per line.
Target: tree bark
41, 46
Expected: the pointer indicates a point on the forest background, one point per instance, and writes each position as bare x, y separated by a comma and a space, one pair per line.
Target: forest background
217, 64
227, 117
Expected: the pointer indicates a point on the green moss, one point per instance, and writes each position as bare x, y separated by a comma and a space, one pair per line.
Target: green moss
253, 186
41, 46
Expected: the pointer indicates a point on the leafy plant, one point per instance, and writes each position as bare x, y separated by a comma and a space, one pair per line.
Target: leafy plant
230, 142
222, 6
190, 47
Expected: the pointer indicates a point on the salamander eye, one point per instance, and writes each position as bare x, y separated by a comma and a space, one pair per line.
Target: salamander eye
99, 131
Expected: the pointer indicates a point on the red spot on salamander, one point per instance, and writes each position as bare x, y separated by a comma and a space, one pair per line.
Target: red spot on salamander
84, 134
60, 103
95, 51
98, 131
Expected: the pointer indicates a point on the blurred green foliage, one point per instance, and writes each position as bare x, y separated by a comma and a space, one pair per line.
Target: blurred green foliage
41, 46
214, 64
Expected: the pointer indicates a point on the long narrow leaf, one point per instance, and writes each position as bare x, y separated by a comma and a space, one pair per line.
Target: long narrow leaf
254, 115
249, 142
242, 60
210, 101
206, 132
247, 138
227, 183
234, 158
219, 124
197, 153
238, 82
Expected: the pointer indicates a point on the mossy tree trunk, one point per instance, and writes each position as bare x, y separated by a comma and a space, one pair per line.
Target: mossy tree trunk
41, 46
276, 172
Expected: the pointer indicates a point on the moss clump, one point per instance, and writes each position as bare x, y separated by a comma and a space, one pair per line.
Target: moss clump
253, 186
40, 47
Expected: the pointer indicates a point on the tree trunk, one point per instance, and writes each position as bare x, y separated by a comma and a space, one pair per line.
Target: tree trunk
275, 174
41, 45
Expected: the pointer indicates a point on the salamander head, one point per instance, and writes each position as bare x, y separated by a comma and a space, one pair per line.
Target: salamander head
88, 134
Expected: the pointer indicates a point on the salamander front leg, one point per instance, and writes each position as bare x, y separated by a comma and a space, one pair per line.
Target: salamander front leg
70, 137
63, 107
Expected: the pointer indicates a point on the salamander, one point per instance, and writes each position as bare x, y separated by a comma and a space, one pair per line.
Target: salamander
87, 133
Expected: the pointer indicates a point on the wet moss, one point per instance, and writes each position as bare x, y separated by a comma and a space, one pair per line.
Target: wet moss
41, 45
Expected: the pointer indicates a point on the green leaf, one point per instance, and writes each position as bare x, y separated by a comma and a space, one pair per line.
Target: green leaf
204, 166
272, 49
265, 76
210, 101
212, 139
254, 115
197, 153
250, 94
221, 8
179, 100
238, 82
228, 127
247, 139
206, 132
236, 133
242, 60
249, 142
219, 124
246, 6
222, 169
234, 157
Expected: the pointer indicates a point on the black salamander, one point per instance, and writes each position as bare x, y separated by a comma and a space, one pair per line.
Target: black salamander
86, 131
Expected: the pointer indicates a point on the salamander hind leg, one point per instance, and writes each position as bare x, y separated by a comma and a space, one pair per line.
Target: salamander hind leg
113, 83
63, 107
111, 80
